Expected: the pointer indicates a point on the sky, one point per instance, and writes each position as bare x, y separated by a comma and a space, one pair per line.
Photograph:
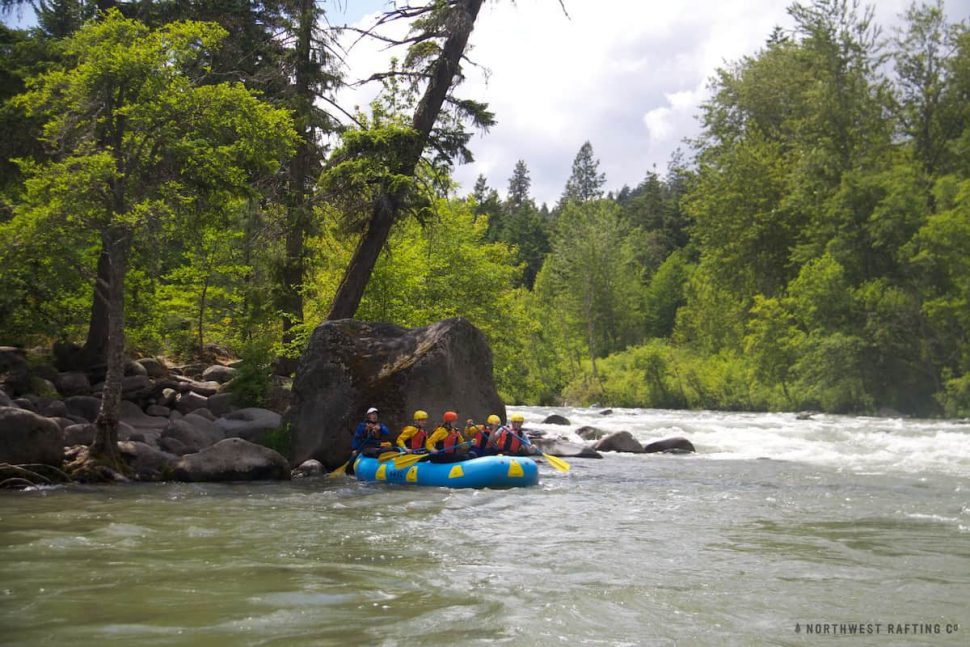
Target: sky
626, 75
629, 76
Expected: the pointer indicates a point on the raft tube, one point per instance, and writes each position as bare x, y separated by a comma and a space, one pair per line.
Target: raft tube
487, 471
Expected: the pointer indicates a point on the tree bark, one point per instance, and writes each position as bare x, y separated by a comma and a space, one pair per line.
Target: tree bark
460, 22
96, 344
105, 445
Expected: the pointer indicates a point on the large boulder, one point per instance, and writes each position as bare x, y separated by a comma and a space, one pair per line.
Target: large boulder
620, 441
252, 424
675, 445
233, 459
149, 426
26, 437
221, 403
351, 365
5, 400
564, 448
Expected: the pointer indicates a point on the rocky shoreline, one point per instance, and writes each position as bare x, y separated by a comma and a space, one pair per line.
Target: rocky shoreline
177, 423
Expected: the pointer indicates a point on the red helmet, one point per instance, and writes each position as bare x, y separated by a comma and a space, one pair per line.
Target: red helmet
450, 416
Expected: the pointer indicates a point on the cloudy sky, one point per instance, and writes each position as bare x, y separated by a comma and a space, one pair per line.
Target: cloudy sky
627, 75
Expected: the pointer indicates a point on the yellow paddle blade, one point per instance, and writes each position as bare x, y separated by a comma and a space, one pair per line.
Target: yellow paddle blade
386, 456
558, 463
408, 460
340, 471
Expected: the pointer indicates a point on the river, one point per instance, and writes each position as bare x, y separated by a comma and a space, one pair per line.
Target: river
777, 532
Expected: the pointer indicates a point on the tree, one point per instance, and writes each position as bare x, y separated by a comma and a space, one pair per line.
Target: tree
138, 142
519, 185
586, 182
451, 22
591, 277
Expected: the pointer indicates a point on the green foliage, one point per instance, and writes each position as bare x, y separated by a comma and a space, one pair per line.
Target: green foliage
251, 384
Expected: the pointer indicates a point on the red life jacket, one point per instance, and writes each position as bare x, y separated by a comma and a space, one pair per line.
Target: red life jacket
508, 441
448, 443
417, 440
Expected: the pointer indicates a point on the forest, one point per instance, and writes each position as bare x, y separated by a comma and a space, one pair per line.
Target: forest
179, 175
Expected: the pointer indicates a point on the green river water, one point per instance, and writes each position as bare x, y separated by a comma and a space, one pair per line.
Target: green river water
719, 548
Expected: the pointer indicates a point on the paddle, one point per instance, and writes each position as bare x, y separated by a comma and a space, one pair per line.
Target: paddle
340, 471
557, 462
407, 460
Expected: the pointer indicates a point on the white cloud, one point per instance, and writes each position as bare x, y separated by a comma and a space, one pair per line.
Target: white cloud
627, 75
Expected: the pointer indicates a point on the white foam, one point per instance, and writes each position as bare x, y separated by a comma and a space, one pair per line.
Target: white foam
860, 444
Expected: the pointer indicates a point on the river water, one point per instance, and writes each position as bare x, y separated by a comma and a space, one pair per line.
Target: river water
777, 532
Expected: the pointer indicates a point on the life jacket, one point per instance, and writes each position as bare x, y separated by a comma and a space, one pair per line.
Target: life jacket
508, 441
417, 439
480, 438
447, 445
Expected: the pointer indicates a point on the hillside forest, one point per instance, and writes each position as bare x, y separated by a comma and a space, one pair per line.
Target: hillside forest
808, 250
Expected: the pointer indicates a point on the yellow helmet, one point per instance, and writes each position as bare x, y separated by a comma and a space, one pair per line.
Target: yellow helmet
493, 420
420, 415
517, 417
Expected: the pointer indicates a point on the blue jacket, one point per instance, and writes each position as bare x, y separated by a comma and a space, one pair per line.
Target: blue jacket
363, 440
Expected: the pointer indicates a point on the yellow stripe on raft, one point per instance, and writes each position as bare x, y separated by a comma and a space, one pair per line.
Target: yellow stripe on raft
515, 470
412, 476
456, 472
381, 474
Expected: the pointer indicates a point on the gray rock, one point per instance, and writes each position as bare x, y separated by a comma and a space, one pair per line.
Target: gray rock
72, 383
26, 437
136, 384
233, 459
556, 419
186, 385
26, 403
55, 409
157, 410
251, 423
61, 422
168, 397
565, 449
5, 400
173, 446
205, 413
189, 401
148, 463
135, 368
79, 435
153, 367
606, 412
195, 433
590, 433
675, 445
620, 441
310, 467
351, 365
218, 373
220, 404
85, 406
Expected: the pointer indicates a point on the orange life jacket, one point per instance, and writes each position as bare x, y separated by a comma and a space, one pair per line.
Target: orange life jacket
417, 440
508, 441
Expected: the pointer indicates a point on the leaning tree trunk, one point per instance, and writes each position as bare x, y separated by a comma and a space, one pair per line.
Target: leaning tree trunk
105, 445
97, 341
460, 23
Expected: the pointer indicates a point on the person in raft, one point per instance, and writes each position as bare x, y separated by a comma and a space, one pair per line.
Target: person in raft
478, 435
412, 438
512, 440
370, 438
446, 444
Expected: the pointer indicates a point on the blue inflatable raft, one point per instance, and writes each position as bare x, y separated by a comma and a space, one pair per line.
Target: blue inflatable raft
487, 471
